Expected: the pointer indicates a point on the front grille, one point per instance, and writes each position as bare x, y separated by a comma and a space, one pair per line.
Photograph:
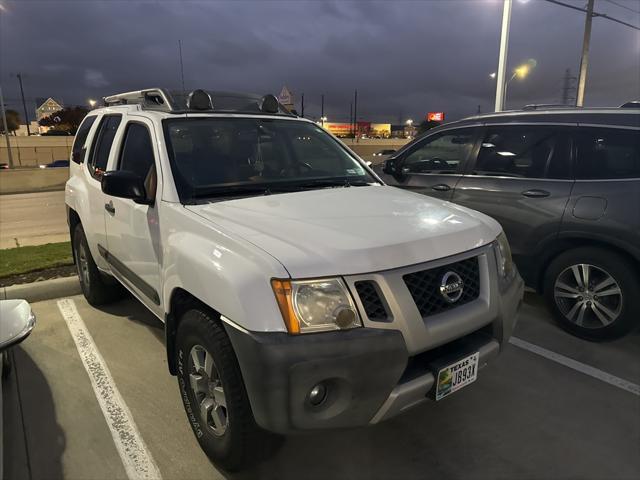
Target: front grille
371, 301
425, 286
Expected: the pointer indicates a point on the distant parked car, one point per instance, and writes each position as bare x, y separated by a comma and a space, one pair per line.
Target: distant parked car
565, 186
384, 153
56, 164
4, 166
16, 322
56, 133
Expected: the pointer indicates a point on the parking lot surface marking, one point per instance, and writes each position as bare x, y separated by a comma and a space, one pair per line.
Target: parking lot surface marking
578, 366
136, 458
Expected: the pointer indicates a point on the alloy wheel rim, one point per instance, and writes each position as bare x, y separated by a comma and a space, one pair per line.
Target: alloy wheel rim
206, 386
83, 265
588, 296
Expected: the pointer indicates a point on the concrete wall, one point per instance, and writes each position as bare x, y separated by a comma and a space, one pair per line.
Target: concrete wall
26, 180
34, 151
29, 152
365, 148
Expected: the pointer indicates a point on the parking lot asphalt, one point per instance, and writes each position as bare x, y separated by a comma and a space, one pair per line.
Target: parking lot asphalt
526, 416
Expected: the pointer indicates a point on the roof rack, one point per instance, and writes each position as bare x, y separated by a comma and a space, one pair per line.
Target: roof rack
548, 106
151, 98
199, 101
631, 104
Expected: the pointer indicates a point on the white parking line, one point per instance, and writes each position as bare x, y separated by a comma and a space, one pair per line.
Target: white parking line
135, 456
578, 366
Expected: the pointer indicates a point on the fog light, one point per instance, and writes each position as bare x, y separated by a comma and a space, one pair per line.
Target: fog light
317, 394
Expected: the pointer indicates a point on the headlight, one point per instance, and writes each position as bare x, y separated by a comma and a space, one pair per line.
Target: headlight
315, 305
503, 256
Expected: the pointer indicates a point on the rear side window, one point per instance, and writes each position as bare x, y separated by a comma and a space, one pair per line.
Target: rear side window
607, 153
137, 151
78, 150
524, 152
102, 144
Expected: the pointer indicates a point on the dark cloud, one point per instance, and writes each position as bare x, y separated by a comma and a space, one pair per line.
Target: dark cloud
405, 58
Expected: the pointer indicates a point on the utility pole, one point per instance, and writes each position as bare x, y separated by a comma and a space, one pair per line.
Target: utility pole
355, 114
322, 109
351, 118
478, 110
302, 105
6, 128
502, 58
567, 87
584, 61
24, 105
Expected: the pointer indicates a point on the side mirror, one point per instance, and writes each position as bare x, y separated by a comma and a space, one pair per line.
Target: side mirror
123, 184
389, 166
16, 322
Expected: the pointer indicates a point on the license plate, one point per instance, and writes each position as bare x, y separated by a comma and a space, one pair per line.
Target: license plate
457, 375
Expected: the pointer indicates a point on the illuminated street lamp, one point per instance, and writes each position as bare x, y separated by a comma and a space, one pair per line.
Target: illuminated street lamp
92, 102
323, 119
492, 75
409, 122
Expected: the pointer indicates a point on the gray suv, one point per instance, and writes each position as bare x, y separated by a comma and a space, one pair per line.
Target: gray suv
565, 185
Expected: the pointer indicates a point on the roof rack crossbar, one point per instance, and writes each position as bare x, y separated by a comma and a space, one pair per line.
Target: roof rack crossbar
150, 98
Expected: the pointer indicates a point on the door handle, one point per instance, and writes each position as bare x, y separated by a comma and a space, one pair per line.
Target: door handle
441, 187
110, 208
535, 193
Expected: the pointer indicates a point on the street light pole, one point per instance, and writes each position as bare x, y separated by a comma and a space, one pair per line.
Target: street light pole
24, 105
584, 61
6, 128
502, 59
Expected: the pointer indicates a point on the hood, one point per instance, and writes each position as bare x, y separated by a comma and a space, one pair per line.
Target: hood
346, 231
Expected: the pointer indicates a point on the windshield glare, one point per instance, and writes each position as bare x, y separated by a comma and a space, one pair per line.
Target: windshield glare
209, 154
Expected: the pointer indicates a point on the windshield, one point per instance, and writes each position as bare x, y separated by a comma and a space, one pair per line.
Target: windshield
234, 156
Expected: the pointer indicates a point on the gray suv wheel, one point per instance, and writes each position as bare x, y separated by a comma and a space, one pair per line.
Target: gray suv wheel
592, 293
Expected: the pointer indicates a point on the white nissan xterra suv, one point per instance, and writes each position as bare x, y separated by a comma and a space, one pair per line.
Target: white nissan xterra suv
298, 291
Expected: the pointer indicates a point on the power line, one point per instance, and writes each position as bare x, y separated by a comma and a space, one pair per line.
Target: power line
594, 14
623, 6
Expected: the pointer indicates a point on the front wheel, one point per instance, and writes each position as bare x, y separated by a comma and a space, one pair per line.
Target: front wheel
213, 393
593, 293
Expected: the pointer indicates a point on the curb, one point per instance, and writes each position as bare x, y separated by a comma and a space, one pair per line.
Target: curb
43, 290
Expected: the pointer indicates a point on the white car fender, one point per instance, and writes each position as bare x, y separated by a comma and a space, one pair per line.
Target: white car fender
230, 275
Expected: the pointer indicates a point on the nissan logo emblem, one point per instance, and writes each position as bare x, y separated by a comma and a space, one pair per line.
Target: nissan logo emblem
451, 287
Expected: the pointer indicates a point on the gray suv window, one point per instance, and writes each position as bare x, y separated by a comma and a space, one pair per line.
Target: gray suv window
440, 154
607, 153
525, 152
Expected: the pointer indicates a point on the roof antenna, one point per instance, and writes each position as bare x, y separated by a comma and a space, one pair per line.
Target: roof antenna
181, 67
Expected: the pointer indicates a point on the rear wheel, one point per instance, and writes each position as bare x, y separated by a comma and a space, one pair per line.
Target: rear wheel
593, 293
214, 395
96, 286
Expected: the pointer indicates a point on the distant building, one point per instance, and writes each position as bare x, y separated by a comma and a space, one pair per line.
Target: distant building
47, 107
33, 126
286, 98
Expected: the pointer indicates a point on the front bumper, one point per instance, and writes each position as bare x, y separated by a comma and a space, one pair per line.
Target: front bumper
369, 374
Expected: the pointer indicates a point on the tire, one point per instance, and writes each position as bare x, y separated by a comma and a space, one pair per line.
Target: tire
238, 443
582, 309
97, 287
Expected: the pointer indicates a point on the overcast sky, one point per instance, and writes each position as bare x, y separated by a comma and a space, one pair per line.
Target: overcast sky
405, 58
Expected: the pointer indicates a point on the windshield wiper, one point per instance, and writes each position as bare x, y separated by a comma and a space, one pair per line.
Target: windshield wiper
329, 183
267, 189
231, 191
